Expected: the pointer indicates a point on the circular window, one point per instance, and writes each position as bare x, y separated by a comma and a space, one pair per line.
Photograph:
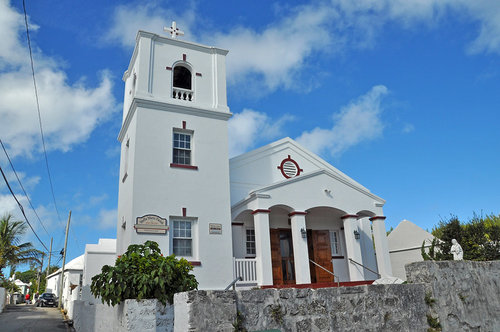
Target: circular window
289, 168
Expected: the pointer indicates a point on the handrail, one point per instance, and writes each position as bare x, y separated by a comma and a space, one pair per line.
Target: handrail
364, 267
321, 267
233, 283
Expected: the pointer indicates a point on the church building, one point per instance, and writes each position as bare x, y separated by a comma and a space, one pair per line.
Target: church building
278, 215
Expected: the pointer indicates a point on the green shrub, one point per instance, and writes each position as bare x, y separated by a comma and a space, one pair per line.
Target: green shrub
143, 273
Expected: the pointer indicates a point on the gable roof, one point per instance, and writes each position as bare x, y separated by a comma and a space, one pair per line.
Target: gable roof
75, 264
288, 142
255, 170
408, 235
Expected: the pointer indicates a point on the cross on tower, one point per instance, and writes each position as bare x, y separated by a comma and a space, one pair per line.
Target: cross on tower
174, 30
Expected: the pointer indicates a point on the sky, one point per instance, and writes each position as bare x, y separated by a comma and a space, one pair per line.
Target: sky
401, 95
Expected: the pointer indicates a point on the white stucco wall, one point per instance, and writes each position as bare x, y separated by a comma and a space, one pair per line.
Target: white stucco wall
152, 185
96, 256
53, 284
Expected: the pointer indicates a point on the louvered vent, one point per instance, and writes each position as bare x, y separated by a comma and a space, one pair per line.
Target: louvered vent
289, 168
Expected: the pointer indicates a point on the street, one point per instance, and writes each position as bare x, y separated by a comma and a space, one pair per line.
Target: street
22, 317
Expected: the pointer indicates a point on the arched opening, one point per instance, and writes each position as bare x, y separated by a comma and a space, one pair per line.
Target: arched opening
182, 78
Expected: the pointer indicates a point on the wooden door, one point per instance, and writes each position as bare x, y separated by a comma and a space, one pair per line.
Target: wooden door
310, 251
276, 257
287, 260
322, 254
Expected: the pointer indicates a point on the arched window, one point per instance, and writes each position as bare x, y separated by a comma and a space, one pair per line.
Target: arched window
182, 78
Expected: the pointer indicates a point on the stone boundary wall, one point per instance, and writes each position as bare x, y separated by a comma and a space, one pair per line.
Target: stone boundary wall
458, 296
448, 296
466, 294
358, 308
131, 315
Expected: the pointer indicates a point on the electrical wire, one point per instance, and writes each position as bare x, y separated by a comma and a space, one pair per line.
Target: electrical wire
21, 208
38, 109
22, 187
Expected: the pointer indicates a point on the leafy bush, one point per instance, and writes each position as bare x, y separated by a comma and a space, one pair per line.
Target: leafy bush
143, 273
479, 238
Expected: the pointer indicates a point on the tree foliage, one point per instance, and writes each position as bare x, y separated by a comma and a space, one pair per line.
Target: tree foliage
10, 286
12, 251
479, 238
143, 273
431, 256
26, 276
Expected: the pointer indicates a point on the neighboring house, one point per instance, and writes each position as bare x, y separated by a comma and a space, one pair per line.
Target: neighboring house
95, 257
264, 215
72, 283
24, 288
405, 244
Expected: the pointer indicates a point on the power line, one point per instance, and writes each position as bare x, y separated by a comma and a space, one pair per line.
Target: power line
21, 208
38, 109
22, 187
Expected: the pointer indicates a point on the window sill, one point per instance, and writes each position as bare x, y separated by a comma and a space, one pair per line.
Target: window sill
337, 257
195, 263
183, 166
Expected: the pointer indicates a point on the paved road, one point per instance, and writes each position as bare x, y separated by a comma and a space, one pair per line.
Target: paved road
22, 317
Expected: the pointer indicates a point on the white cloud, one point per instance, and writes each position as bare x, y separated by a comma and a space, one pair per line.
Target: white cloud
280, 54
107, 218
128, 19
249, 127
47, 216
368, 16
357, 122
70, 112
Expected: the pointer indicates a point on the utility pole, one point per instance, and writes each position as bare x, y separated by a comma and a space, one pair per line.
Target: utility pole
64, 262
39, 275
50, 255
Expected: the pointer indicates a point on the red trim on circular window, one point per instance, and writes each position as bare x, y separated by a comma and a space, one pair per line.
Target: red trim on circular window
289, 168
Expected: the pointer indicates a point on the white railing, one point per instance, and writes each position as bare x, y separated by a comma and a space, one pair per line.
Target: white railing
246, 269
182, 94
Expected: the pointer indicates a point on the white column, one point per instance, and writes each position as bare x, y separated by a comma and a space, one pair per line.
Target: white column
263, 247
353, 248
381, 246
300, 250
367, 250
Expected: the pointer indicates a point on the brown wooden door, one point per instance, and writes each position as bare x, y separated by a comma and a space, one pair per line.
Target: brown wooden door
287, 260
276, 257
322, 255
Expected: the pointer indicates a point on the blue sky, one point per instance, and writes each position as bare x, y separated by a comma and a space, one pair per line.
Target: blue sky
402, 96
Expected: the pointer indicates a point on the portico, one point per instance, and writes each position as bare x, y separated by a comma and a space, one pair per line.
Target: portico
296, 229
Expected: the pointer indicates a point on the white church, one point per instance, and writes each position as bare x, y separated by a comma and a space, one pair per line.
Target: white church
276, 216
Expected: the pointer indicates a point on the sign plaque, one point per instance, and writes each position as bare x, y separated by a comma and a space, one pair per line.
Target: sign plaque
151, 224
214, 228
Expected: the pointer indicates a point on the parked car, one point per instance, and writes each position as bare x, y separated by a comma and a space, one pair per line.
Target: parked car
47, 300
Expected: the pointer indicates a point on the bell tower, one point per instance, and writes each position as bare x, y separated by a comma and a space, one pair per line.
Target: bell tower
174, 169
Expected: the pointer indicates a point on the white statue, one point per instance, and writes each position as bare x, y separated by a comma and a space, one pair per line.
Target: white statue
456, 250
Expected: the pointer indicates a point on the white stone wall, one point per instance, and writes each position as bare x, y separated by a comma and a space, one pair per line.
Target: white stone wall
3, 298
129, 316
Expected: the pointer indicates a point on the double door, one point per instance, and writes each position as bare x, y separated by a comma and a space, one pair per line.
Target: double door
283, 264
